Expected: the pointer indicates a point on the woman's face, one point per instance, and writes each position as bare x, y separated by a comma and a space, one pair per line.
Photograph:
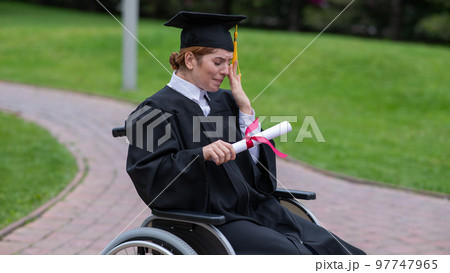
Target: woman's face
211, 70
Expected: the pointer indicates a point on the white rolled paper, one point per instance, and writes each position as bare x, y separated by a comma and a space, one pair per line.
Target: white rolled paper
270, 133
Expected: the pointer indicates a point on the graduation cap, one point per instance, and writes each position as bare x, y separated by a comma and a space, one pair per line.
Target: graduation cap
205, 29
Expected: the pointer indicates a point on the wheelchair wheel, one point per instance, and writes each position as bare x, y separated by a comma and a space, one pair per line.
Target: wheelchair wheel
148, 241
299, 209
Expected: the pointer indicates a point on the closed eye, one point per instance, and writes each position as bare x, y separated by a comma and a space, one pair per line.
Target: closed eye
219, 61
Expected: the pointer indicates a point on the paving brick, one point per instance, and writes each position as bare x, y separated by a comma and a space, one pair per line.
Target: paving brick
48, 245
35, 251
9, 247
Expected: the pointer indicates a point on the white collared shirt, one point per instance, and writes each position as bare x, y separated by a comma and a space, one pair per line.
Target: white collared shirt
201, 97
190, 91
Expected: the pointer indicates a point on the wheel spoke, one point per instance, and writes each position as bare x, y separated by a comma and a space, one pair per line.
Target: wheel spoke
148, 241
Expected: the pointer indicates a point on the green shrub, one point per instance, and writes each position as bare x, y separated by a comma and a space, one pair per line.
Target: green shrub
435, 27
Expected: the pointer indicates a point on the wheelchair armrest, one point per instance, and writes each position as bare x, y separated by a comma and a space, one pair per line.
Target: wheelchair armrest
119, 132
304, 195
191, 216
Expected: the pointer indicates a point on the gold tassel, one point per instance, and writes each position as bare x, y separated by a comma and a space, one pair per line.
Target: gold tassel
235, 52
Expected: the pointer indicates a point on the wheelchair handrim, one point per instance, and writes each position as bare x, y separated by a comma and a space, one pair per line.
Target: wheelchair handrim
145, 244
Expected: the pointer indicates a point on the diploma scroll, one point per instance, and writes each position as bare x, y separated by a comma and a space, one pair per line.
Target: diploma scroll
270, 133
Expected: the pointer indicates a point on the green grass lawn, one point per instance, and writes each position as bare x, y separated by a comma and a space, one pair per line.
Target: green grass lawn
381, 106
34, 167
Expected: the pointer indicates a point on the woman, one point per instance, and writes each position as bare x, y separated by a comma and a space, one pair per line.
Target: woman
188, 162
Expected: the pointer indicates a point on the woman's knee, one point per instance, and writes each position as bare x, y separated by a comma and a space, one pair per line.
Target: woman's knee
249, 238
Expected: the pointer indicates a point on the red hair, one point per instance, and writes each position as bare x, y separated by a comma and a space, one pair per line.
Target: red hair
177, 58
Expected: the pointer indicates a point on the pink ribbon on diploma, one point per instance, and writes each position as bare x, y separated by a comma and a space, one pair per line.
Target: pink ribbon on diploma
249, 142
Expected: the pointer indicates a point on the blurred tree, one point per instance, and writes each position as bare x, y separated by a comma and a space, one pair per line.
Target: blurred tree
426, 20
395, 20
432, 22
434, 27
90, 5
227, 6
295, 15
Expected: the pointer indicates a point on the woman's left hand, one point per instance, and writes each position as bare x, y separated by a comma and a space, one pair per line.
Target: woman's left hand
238, 93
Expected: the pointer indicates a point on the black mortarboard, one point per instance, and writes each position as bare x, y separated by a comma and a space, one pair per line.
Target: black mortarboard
205, 29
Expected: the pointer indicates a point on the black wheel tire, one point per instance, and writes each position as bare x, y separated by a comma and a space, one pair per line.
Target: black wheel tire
142, 237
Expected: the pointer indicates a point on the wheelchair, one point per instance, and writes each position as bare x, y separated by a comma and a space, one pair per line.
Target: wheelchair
176, 232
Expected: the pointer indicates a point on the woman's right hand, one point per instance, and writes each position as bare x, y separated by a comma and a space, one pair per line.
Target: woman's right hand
239, 95
219, 152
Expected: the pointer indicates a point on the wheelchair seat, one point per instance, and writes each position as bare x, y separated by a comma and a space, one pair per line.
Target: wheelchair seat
189, 233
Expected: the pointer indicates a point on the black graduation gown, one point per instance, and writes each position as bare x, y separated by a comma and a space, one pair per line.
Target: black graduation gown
174, 174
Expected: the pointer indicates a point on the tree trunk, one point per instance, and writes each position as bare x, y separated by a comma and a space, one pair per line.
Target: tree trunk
226, 7
295, 15
187, 4
396, 18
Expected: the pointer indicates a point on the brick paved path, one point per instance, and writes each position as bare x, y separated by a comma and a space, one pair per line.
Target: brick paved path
379, 220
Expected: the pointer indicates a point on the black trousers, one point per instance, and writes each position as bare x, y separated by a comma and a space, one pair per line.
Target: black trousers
248, 237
